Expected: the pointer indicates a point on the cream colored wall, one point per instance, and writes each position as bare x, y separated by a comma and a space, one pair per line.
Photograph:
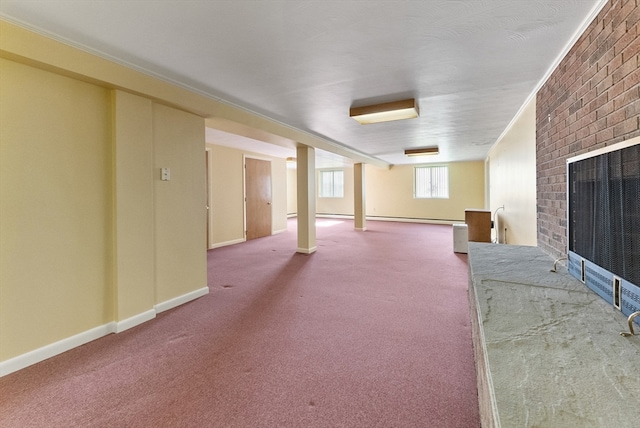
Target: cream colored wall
292, 191
134, 205
512, 180
57, 128
55, 208
279, 195
389, 193
227, 191
227, 206
180, 203
343, 205
91, 239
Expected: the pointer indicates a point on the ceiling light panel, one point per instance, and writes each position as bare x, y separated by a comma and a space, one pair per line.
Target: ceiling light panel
386, 112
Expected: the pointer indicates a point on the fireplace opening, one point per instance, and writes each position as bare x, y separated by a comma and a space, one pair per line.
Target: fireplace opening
603, 222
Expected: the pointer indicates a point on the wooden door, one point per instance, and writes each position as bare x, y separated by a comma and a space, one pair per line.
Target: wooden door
258, 197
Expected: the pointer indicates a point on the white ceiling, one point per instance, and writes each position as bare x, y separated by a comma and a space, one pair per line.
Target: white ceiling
471, 64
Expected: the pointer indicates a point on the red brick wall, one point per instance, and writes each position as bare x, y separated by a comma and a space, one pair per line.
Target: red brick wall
591, 100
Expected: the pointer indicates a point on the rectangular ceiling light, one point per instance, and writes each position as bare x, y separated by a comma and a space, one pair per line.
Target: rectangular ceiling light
425, 151
396, 110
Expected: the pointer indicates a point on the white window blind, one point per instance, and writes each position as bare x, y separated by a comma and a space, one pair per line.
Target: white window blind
331, 184
431, 182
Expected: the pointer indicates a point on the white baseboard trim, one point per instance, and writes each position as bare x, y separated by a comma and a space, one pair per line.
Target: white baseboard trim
397, 219
224, 244
48, 351
180, 300
135, 320
307, 250
278, 231
361, 229
37, 355
414, 220
339, 216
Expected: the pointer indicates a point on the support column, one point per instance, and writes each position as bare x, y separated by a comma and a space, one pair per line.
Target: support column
360, 217
306, 170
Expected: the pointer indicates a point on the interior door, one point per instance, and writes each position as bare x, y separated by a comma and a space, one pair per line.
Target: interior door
258, 198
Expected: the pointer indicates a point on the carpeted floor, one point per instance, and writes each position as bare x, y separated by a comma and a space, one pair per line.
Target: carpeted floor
370, 331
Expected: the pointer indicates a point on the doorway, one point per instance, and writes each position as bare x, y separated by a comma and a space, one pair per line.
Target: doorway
257, 198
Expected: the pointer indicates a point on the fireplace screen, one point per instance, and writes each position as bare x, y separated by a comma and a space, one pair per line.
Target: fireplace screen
604, 211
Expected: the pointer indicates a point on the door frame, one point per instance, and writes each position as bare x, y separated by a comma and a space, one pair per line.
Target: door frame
244, 190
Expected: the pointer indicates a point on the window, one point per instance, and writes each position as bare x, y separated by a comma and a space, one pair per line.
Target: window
331, 184
431, 182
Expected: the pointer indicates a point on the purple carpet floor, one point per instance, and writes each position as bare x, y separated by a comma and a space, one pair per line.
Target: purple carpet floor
370, 331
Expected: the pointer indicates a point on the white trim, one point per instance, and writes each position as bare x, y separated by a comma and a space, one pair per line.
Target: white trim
415, 220
225, 243
56, 348
338, 216
361, 229
397, 219
279, 231
306, 250
180, 300
258, 157
134, 321
607, 149
572, 41
37, 355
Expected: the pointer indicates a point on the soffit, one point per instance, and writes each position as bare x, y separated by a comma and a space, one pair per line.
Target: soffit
470, 64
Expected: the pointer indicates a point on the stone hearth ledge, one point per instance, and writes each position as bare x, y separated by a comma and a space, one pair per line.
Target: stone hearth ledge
548, 350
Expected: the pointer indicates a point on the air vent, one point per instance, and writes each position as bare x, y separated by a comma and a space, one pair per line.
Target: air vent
616, 292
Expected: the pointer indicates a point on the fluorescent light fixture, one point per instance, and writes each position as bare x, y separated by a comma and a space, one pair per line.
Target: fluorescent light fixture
396, 110
425, 151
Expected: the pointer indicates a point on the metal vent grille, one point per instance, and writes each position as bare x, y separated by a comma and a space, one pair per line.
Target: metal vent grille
604, 211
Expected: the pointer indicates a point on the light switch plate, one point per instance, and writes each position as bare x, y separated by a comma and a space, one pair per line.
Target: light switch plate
165, 174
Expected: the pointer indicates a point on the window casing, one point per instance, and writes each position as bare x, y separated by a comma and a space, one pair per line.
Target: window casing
331, 184
431, 182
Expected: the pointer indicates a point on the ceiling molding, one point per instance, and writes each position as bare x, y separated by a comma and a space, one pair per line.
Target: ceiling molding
576, 35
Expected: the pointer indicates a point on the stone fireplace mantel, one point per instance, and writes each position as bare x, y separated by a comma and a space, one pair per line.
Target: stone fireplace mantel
548, 350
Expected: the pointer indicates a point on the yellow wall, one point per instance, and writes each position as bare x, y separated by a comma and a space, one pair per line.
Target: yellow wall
512, 180
336, 205
227, 194
180, 203
55, 215
90, 235
292, 190
227, 206
91, 238
134, 204
389, 193
279, 195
